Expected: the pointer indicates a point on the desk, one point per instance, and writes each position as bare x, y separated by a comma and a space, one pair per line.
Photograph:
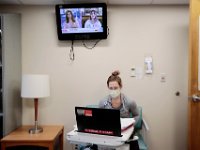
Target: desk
103, 140
21, 137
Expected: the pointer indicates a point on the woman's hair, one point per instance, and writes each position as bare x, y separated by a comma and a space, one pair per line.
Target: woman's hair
93, 11
67, 19
115, 77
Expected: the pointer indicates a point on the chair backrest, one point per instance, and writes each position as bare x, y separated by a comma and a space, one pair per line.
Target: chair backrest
92, 106
138, 125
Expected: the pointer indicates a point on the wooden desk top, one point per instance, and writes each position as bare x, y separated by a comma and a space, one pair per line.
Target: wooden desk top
21, 134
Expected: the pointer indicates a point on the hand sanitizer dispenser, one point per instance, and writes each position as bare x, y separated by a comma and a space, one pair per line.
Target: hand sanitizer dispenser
148, 65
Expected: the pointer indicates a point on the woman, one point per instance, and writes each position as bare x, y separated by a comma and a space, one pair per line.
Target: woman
70, 21
118, 100
93, 21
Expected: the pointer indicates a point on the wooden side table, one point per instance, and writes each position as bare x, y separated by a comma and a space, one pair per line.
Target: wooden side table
21, 137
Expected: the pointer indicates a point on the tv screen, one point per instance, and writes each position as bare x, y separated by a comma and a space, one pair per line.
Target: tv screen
81, 21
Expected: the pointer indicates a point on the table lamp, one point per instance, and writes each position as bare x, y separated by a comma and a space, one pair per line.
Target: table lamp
35, 86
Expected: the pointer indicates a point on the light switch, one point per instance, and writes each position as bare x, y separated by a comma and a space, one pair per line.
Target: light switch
136, 72
162, 77
133, 72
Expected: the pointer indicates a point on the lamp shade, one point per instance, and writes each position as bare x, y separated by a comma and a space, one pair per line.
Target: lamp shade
35, 86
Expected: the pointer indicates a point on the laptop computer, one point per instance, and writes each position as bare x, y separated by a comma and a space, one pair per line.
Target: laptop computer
98, 121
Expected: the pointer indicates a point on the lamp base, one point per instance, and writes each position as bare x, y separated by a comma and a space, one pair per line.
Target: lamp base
35, 130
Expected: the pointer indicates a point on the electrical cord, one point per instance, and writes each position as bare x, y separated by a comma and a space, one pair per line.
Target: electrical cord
84, 44
71, 53
108, 31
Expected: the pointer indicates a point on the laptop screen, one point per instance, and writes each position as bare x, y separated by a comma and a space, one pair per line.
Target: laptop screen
98, 121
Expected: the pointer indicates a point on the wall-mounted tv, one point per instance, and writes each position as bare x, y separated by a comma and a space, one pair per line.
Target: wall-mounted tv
81, 21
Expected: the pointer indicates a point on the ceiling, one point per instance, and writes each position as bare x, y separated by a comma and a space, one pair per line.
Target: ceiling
109, 2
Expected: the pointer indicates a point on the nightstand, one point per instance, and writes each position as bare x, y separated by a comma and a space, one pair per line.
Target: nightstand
21, 137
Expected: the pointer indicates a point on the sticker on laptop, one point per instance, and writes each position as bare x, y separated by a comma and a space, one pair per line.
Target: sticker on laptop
84, 112
88, 113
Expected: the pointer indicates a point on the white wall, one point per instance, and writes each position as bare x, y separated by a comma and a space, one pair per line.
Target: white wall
135, 32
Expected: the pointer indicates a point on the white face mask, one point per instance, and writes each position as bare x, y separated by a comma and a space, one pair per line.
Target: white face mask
115, 93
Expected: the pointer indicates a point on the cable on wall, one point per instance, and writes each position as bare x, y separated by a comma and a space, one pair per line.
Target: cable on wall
71, 53
86, 46
108, 31
96, 42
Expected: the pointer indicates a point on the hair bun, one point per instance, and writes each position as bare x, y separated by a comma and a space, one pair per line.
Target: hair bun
115, 73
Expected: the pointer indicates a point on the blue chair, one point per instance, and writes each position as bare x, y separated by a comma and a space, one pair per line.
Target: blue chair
138, 128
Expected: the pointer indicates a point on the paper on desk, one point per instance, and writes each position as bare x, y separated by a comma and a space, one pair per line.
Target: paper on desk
126, 123
75, 127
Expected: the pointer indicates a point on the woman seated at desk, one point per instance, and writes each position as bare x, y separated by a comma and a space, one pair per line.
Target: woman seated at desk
118, 100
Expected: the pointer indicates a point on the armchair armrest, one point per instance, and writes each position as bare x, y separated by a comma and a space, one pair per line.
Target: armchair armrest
146, 126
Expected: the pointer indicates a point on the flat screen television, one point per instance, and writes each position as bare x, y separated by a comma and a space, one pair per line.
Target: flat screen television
81, 21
